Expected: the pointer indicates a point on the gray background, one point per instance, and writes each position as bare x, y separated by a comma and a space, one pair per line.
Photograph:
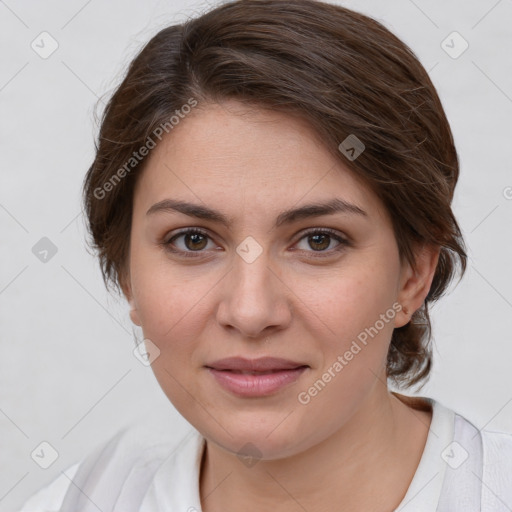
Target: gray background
67, 372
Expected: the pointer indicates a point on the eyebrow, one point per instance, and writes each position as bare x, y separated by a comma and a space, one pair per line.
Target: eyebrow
286, 217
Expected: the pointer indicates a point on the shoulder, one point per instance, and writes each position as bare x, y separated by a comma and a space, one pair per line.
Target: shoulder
497, 448
489, 463
51, 497
497, 471
133, 453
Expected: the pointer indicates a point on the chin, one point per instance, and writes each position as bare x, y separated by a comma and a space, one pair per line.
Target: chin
268, 440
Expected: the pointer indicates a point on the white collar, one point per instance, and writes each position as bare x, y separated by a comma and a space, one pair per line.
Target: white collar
175, 485
424, 491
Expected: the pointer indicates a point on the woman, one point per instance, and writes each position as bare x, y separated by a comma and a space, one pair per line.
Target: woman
272, 194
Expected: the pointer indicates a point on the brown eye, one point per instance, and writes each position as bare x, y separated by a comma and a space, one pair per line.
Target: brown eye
193, 240
319, 240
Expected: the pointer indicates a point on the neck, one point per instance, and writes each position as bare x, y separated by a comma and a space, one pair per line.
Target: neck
367, 464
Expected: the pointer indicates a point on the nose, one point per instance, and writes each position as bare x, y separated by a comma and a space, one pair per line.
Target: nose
255, 299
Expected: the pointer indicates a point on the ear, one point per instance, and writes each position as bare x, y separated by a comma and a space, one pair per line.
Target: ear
415, 283
126, 288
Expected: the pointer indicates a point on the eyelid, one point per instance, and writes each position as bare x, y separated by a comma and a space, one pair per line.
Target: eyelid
166, 243
333, 232
343, 241
185, 231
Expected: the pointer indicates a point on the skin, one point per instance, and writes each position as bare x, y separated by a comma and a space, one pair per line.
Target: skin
355, 443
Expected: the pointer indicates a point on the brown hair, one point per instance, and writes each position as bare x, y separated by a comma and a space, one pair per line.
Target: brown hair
344, 73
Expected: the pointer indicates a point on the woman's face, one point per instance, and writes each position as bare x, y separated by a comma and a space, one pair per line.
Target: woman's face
322, 291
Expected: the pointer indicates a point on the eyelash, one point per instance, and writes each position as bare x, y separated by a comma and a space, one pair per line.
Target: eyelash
343, 242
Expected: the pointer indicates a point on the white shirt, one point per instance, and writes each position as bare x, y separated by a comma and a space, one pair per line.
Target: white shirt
461, 470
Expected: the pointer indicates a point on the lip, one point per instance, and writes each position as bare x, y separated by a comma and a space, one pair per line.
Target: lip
261, 364
255, 377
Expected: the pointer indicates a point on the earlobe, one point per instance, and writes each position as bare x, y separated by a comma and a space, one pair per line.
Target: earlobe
134, 314
127, 292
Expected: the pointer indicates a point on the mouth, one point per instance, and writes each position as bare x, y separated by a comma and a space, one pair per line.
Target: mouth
266, 372
261, 365
271, 376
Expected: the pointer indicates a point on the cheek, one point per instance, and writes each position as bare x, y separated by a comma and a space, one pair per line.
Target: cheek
357, 308
170, 298
350, 300
171, 309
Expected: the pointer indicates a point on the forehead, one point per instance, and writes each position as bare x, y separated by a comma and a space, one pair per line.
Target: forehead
231, 154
